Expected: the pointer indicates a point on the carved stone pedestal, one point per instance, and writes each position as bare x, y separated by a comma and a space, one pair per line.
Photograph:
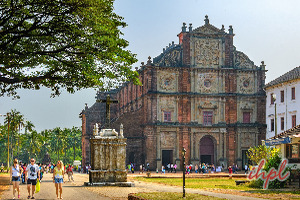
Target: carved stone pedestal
108, 154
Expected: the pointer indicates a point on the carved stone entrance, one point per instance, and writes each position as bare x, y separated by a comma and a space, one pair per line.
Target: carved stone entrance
167, 157
207, 150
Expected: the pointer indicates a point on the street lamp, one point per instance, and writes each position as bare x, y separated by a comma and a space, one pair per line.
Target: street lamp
7, 137
274, 100
183, 171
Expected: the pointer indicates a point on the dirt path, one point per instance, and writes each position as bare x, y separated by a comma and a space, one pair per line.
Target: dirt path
70, 191
75, 190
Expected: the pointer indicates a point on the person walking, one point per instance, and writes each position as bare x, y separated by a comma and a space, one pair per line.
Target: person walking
70, 173
58, 178
33, 172
15, 174
246, 169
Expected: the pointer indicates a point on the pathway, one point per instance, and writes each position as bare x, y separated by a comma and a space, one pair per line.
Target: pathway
76, 190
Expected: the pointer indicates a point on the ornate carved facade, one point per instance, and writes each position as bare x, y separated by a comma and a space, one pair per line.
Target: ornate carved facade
201, 94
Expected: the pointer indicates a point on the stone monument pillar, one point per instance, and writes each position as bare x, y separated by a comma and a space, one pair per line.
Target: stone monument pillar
108, 156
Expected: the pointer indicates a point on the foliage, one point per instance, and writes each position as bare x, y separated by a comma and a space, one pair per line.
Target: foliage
64, 144
71, 44
256, 154
273, 160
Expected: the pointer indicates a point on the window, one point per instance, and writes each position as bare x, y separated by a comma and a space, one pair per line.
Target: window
282, 123
282, 96
272, 125
293, 93
294, 120
272, 99
246, 117
207, 117
167, 116
292, 151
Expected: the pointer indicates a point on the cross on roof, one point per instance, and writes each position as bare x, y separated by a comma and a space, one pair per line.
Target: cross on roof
108, 101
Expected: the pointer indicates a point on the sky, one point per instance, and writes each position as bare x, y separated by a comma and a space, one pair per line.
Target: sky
265, 30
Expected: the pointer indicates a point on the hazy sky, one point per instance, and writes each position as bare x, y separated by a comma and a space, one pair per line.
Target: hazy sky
265, 30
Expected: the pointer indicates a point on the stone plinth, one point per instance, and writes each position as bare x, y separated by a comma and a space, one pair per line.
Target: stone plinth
108, 154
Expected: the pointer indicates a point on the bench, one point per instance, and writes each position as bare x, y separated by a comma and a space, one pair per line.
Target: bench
241, 182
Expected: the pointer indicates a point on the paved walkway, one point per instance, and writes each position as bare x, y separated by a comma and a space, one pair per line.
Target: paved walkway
76, 190
70, 191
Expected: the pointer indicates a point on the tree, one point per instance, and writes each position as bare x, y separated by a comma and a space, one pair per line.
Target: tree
71, 44
256, 154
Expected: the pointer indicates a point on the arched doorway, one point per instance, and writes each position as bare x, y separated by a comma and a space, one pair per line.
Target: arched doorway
131, 157
207, 150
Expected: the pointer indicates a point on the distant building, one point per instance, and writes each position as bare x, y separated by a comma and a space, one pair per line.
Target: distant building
201, 94
286, 88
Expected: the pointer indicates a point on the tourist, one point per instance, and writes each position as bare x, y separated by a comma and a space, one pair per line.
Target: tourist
196, 168
15, 173
169, 167
132, 168
172, 167
2, 168
213, 168
141, 168
175, 167
148, 167
33, 173
230, 171
246, 169
163, 170
70, 173
24, 172
233, 168
58, 178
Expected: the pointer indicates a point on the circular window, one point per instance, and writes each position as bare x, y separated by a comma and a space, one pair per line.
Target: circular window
207, 83
246, 83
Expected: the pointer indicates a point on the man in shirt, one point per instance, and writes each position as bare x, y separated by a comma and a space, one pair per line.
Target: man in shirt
33, 173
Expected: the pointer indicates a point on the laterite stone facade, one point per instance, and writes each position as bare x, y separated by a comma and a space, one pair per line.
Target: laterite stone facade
201, 94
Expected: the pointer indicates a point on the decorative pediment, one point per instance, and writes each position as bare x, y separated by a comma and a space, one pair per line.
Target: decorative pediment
207, 105
208, 29
241, 60
169, 58
247, 107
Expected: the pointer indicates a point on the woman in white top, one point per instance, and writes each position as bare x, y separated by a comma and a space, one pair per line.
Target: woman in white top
15, 174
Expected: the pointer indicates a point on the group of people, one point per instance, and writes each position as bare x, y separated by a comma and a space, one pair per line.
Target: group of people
33, 174
169, 167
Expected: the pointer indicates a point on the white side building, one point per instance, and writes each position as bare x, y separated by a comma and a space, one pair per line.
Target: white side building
286, 88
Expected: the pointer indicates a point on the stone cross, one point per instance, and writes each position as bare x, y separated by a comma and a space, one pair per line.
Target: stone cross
108, 101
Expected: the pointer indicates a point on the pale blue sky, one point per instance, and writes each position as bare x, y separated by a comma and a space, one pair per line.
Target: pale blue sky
264, 29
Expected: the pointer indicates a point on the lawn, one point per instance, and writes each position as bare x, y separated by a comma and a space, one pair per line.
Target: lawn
198, 183
225, 185
174, 196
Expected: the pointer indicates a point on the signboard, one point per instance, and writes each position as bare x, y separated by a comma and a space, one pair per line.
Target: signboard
273, 142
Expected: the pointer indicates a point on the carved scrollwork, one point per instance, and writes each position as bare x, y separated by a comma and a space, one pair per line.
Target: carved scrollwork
207, 82
167, 81
207, 52
241, 60
246, 84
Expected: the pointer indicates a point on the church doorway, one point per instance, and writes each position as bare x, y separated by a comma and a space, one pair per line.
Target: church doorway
207, 150
244, 158
167, 157
131, 157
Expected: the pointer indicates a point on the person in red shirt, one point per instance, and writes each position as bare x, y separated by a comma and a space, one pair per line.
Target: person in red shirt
70, 173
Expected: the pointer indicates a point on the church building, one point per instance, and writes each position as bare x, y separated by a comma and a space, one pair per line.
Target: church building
200, 94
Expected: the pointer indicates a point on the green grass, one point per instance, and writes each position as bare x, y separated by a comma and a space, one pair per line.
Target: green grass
213, 183
174, 196
198, 183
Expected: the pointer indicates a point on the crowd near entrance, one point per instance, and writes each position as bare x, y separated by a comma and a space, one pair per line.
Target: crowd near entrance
167, 157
